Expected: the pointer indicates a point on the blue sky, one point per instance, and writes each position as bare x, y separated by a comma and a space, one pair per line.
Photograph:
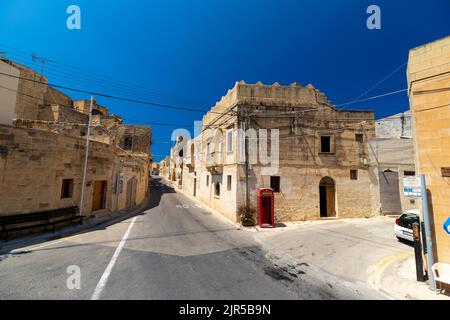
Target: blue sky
189, 53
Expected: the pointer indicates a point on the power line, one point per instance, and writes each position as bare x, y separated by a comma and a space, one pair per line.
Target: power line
99, 94
126, 119
372, 98
91, 75
378, 83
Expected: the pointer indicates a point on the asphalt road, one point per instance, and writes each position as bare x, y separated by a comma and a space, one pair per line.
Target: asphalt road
176, 249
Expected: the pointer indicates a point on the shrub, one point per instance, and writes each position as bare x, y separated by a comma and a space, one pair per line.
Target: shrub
247, 216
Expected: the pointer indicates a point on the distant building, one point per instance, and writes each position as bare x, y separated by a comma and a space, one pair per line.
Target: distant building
429, 93
323, 165
42, 150
392, 159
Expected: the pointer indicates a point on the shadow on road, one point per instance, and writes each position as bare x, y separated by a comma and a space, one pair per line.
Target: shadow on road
157, 190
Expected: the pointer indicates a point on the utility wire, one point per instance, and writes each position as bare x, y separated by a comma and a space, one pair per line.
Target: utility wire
113, 97
126, 119
376, 85
90, 74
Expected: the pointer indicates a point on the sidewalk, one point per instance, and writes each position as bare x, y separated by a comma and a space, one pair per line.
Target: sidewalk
399, 280
89, 224
359, 251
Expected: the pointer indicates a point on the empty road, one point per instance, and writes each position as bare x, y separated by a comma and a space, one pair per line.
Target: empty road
176, 249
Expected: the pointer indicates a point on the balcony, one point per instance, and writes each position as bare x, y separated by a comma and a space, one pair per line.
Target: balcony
214, 162
189, 161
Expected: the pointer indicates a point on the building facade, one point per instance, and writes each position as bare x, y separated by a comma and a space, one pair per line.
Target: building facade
43, 145
429, 83
288, 138
392, 159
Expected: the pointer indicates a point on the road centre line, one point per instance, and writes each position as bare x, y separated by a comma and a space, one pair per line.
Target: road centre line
103, 280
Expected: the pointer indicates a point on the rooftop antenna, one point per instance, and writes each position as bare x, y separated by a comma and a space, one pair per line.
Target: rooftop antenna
43, 62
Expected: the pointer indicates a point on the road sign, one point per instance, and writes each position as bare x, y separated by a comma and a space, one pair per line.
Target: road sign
412, 187
447, 226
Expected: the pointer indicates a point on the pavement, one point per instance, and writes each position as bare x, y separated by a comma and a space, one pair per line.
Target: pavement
363, 252
176, 248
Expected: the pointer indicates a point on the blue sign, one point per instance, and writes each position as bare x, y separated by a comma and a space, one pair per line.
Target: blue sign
447, 226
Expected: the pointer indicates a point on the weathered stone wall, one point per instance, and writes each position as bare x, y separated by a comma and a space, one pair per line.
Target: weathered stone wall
428, 76
141, 137
53, 96
33, 164
32, 89
62, 113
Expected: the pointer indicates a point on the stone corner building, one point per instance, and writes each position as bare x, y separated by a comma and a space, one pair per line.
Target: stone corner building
429, 83
323, 169
42, 150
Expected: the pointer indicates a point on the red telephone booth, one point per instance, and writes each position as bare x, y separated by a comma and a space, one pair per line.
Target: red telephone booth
266, 208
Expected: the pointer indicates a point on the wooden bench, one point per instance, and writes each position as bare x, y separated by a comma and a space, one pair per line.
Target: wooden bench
441, 273
43, 220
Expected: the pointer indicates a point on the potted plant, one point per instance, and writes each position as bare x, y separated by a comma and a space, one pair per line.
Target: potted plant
247, 216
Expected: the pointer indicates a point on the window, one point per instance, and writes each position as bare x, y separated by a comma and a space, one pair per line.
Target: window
407, 220
325, 144
275, 184
207, 181
359, 137
354, 174
208, 148
67, 189
229, 183
217, 190
128, 143
230, 141
409, 173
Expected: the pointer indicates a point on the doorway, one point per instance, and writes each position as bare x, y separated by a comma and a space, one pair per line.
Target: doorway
327, 198
195, 187
131, 192
390, 192
99, 196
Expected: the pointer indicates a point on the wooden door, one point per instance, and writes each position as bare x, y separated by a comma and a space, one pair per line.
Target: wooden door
98, 200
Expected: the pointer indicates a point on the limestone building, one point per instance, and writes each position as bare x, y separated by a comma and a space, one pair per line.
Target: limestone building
315, 156
429, 83
42, 150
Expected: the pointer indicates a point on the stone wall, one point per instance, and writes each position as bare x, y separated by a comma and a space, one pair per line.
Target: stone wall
141, 137
429, 80
33, 164
53, 96
32, 89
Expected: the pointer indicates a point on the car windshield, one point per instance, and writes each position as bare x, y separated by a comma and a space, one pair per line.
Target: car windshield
408, 219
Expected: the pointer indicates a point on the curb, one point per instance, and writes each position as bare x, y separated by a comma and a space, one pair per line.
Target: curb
90, 224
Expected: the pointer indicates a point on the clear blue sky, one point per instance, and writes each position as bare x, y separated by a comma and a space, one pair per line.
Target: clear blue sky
189, 53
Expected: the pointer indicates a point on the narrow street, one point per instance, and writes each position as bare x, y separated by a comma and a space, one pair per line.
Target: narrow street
174, 250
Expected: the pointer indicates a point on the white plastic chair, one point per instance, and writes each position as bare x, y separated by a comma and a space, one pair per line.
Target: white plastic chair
441, 273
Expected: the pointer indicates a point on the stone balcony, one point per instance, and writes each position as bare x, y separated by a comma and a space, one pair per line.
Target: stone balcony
214, 162
189, 161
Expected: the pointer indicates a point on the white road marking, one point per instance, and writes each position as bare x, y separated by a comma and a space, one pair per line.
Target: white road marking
101, 284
